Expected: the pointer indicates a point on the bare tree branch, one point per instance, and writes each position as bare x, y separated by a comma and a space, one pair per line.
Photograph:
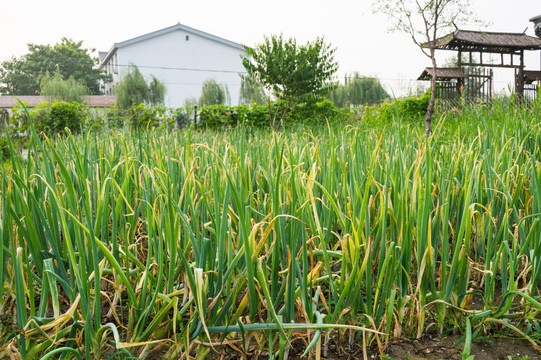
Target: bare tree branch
423, 21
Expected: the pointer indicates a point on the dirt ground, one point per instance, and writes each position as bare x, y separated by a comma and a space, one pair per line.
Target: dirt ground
426, 348
436, 348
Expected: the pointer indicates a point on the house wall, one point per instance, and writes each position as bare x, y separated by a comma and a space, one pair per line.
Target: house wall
112, 69
181, 60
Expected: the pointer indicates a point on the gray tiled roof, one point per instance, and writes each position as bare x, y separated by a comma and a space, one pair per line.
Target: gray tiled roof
7, 102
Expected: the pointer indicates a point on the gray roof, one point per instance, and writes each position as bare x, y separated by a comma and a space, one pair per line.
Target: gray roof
487, 42
102, 55
166, 31
8, 102
442, 74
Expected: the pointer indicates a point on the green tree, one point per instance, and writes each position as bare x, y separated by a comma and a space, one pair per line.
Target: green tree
20, 76
425, 21
357, 90
251, 91
292, 72
56, 88
133, 90
213, 93
156, 91
190, 102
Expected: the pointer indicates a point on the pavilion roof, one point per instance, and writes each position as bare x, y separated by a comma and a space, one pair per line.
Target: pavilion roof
481, 41
442, 74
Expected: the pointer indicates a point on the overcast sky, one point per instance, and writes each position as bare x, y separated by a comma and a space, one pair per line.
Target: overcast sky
361, 38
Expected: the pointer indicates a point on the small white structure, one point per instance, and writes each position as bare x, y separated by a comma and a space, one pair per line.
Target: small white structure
182, 58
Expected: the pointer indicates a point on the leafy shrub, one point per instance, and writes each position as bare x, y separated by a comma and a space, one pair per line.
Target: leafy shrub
55, 117
18, 127
145, 116
216, 116
255, 115
4, 148
182, 116
142, 116
409, 109
318, 112
115, 118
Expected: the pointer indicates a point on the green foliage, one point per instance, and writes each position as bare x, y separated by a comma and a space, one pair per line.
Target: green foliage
386, 357
191, 101
218, 116
145, 116
213, 93
410, 109
318, 113
357, 90
56, 88
294, 73
114, 117
358, 228
251, 92
156, 91
291, 71
132, 90
182, 116
20, 76
54, 118
4, 148
18, 127
425, 21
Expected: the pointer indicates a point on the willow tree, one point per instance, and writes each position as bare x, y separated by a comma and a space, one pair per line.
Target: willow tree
213, 93
156, 91
425, 21
357, 90
133, 89
56, 88
251, 91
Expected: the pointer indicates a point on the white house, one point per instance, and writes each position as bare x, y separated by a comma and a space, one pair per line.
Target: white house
182, 58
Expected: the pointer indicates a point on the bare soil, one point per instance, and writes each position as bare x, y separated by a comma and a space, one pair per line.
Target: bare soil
426, 348
445, 348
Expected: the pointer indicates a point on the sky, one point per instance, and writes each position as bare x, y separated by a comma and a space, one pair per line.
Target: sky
362, 41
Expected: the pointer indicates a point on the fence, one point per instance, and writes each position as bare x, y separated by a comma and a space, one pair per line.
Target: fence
475, 87
531, 92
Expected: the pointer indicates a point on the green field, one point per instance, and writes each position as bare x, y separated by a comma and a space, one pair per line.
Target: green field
174, 243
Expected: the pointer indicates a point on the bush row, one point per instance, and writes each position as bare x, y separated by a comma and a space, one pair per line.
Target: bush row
54, 118
216, 116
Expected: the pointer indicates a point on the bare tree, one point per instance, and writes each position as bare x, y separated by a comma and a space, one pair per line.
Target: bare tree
425, 21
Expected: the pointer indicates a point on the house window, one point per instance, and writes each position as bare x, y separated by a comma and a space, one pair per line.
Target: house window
187, 37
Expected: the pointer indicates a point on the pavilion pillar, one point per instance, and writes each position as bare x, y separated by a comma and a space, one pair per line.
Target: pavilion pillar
459, 81
519, 77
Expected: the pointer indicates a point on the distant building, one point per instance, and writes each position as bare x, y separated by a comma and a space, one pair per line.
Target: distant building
182, 58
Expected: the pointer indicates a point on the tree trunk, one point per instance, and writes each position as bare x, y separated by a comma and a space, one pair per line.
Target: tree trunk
431, 104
